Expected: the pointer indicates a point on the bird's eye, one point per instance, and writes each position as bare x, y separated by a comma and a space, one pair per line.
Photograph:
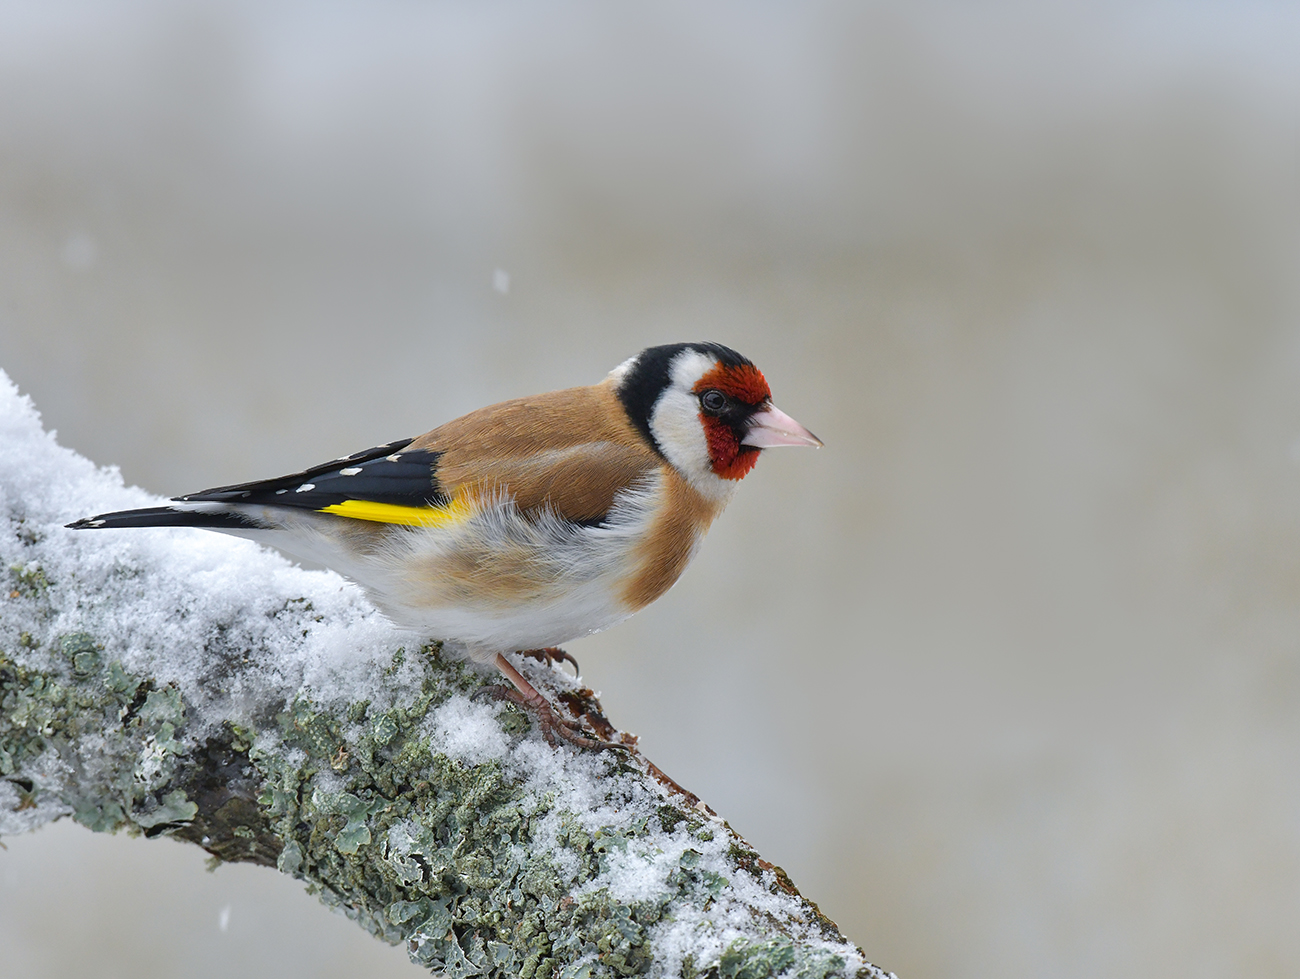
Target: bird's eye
713, 400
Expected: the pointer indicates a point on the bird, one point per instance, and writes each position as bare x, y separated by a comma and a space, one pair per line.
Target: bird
526, 524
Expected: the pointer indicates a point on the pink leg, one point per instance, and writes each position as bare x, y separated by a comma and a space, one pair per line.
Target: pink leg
526, 696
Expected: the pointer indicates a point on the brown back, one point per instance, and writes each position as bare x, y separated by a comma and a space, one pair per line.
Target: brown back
571, 450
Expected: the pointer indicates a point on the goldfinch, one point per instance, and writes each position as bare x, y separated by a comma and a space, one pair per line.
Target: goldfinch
528, 523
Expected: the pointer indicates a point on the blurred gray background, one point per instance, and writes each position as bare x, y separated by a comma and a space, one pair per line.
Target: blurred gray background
1006, 676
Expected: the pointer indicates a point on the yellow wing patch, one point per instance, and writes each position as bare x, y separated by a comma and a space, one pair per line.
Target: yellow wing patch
458, 510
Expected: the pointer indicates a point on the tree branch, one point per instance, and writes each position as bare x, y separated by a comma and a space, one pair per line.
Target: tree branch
184, 684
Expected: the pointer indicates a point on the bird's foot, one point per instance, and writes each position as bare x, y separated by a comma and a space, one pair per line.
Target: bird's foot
550, 656
554, 727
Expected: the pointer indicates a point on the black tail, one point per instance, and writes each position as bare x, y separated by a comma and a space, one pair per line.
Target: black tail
165, 516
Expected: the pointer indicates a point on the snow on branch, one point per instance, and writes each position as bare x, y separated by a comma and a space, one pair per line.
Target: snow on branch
182, 683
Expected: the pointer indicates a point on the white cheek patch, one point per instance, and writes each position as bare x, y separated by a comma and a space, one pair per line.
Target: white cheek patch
675, 422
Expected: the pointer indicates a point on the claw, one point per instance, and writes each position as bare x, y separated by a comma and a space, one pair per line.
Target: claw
526, 696
552, 655
554, 727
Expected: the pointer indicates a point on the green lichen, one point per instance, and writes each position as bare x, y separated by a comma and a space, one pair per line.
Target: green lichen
82, 652
29, 580
137, 740
173, 807
416, 847
426, 851
779, 956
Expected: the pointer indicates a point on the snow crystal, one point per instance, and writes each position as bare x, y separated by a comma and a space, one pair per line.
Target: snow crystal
468, 732
179, 604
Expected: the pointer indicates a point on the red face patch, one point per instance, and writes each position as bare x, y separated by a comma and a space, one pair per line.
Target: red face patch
746, 383
730, 459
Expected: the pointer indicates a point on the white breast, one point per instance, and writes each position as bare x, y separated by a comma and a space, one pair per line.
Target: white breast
495, 581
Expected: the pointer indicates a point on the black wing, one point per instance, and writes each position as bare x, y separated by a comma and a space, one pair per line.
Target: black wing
384, 474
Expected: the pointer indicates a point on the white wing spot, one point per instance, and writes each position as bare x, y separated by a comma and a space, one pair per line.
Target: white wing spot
305, 488
394, 457
350, 471
278, 492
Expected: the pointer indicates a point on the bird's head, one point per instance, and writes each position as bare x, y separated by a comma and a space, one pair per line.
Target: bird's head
706, 409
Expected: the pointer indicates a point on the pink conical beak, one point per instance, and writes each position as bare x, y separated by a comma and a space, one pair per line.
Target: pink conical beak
772, 427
